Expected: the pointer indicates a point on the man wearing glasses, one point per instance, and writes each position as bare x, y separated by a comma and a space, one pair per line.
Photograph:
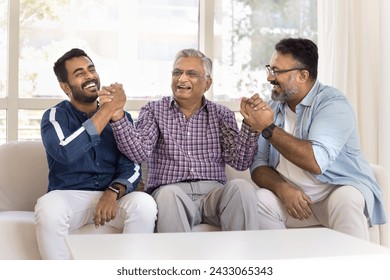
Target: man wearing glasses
309, 164
187, 141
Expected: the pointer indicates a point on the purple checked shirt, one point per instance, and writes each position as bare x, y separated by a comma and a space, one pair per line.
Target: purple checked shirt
179, 149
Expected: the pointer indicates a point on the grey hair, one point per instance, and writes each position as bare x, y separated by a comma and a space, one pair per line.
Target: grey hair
207, 63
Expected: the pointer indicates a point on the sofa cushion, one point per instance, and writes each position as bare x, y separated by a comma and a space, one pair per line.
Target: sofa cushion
17, 230
22, 162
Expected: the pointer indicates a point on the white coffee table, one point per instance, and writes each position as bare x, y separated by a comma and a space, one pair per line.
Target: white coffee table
234, 245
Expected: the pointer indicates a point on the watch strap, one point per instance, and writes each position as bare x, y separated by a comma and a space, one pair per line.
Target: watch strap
115, 190
267, 132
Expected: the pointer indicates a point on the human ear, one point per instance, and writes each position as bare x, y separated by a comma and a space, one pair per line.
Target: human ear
65, 87
304, 76
208, 83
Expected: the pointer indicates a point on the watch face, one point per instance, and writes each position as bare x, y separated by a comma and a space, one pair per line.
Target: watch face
266, 133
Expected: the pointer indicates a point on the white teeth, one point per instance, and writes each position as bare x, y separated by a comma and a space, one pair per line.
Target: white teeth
90, 85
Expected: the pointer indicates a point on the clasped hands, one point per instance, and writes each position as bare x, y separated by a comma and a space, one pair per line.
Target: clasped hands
256, 112
114, 96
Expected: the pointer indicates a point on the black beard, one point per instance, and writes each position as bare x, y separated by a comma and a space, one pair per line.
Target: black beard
81, 97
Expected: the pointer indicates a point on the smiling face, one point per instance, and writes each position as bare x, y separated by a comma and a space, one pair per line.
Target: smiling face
286, 85
189, 81
83, 80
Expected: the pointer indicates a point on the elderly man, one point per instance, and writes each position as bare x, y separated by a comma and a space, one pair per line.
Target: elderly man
187, 141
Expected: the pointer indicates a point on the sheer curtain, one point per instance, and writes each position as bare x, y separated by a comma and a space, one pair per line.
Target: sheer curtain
353, 49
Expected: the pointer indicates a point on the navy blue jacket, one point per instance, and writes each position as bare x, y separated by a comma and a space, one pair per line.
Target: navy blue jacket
79, 158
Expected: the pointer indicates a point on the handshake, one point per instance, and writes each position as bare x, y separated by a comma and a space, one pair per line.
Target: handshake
256, 112
114, 97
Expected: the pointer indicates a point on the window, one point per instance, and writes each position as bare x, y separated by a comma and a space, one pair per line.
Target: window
245, 32
131, 42
134, 42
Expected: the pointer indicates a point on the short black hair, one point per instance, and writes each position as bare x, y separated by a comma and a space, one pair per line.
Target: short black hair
304, 51
59, 65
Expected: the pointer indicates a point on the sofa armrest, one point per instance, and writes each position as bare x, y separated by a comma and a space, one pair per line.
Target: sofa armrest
383, 179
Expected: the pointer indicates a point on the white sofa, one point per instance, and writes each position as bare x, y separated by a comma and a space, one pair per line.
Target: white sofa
23, 179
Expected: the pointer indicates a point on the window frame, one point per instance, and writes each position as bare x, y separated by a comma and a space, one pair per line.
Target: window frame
12, 103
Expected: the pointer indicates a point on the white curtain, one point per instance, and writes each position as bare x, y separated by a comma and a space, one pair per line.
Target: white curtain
353, 46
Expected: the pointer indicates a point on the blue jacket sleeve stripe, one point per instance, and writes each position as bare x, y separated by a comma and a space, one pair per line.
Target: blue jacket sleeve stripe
60, 134
136, 174
55, 124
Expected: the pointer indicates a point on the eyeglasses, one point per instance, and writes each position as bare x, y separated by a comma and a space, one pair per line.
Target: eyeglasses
274, 72
190, 74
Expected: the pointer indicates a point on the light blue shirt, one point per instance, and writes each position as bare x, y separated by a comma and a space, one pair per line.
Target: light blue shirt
327, 120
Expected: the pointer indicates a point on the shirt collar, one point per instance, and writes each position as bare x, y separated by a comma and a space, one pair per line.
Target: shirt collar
173, 103
308, 99
80, 113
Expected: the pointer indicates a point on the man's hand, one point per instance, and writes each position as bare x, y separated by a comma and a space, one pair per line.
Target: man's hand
106, 208
297, 203
256, 112
114, 96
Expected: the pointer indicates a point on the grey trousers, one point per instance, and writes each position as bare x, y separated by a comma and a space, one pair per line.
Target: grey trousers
183, 205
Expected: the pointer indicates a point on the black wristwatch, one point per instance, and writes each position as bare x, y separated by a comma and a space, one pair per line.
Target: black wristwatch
116, 190
267, 132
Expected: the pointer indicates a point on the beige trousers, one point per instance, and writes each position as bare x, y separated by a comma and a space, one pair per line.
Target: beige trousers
342, 210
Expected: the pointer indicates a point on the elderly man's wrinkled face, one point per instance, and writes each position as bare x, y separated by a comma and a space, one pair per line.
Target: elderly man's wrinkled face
189, 80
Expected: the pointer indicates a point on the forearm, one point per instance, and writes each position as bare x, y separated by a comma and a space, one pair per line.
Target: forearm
298, 151
103, 116
135, 144
241, 149
128, 173
267, 178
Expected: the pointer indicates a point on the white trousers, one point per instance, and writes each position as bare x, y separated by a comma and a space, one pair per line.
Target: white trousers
59, 212
182, 206
342, 210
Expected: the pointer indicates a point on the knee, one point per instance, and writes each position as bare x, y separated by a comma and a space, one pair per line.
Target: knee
241, 186
346, 197
166, 193
266, 197
139, 202
49, 208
